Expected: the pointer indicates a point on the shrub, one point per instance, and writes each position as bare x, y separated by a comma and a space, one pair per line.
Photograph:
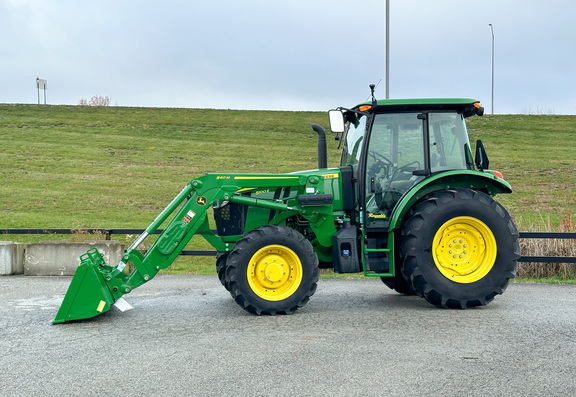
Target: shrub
96, 101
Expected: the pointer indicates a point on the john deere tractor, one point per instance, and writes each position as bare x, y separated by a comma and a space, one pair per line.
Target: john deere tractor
409, 204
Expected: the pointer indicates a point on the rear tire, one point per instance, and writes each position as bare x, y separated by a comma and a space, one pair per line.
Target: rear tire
272, 270
460, 248
399, 284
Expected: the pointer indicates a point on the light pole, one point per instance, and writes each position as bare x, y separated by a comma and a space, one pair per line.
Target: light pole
387, 49
492, 30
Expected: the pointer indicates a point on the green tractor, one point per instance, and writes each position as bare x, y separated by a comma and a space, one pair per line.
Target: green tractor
408, 204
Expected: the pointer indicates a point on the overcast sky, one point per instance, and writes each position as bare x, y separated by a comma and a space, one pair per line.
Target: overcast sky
288, 54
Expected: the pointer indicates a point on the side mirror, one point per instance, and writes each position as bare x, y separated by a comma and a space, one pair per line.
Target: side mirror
336, 121
482, 162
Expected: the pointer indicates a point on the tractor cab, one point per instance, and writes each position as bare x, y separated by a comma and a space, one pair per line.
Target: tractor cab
393, 145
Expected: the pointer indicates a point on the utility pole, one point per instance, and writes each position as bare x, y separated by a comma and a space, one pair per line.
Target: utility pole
492, 30
387, 49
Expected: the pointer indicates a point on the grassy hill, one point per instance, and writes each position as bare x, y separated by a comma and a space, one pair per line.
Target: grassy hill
73, 167
118, 167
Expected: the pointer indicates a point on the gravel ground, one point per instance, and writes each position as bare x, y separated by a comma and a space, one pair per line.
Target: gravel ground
187, 337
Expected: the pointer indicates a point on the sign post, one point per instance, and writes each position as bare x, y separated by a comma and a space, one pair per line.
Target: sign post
41, 85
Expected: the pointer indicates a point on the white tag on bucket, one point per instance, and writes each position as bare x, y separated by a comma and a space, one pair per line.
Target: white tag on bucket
123, 305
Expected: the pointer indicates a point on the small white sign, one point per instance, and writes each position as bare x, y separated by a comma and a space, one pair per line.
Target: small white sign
41, 84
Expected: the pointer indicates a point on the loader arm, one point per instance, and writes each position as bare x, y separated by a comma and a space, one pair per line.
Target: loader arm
96, 286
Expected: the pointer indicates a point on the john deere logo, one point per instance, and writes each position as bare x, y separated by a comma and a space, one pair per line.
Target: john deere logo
201, 200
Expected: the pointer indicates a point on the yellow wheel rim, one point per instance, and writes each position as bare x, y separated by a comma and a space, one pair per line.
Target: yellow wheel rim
274, 272
464, 249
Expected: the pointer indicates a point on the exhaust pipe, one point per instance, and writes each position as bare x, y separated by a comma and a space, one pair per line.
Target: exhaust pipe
322, 154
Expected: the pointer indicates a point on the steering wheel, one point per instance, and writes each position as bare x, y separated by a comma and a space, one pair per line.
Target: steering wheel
405, 167
378, 156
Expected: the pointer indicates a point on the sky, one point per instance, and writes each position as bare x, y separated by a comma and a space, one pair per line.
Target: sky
299, 55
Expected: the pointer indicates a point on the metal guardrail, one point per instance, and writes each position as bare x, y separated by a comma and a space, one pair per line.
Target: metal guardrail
110, 232
548, 259
107, 232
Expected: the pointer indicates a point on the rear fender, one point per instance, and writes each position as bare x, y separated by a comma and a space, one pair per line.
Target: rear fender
476, 180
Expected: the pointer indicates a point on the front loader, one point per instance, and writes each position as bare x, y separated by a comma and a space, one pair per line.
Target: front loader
408, 204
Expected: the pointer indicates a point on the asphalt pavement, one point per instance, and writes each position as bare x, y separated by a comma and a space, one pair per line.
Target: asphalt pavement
187, 337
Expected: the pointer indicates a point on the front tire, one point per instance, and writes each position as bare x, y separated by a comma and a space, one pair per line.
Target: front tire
460, 248
272, 270
221, 268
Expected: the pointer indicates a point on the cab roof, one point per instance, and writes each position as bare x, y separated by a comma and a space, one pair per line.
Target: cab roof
466, 105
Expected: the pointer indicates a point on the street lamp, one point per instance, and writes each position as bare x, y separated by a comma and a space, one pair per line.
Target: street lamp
387, 49
492, 30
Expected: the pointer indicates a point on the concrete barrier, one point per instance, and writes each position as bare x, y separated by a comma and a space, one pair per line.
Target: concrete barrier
11, 258
61, 258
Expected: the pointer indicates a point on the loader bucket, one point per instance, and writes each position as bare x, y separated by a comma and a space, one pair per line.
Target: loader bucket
88, 294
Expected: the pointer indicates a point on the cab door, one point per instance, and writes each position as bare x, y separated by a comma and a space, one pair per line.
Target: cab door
393, 151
